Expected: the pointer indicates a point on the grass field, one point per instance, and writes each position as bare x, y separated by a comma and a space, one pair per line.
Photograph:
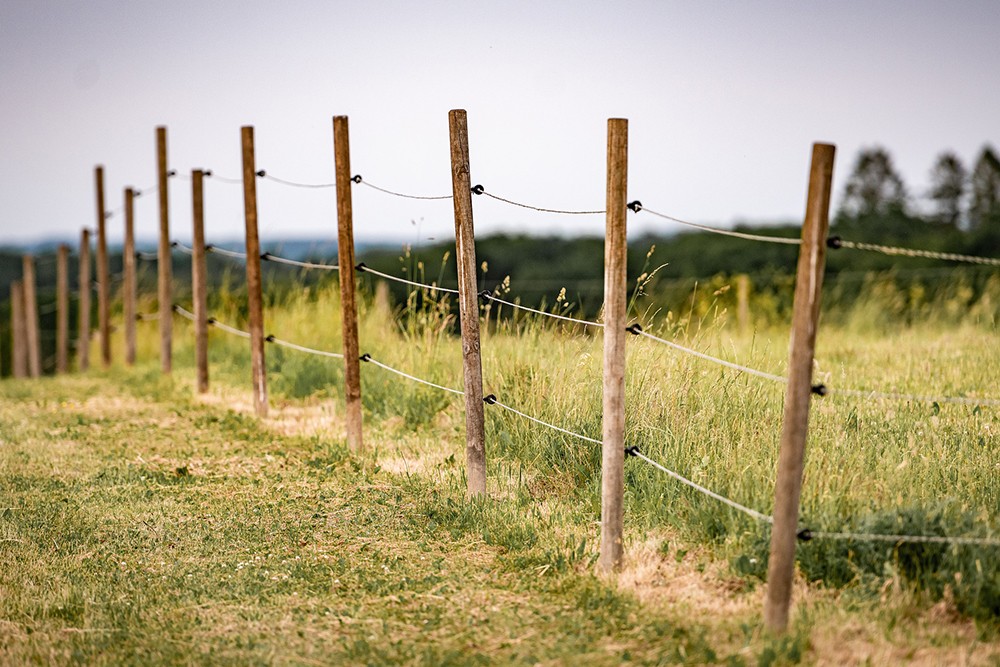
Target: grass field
141, 524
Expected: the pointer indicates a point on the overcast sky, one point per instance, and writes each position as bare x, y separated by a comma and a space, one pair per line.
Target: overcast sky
724, 100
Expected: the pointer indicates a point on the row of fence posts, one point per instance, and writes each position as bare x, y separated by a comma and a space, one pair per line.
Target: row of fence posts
805, 317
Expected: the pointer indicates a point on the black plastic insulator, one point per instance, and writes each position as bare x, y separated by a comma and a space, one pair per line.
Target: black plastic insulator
174, 244
211, 320
356, 178
632, 451
635, 206
365, 357
834, 242
207, 173
634, 329
138, 255
138, 317
804, 535
485, 295
209, 247
269, 338
478, 189
175, 308
262, 173
490, 399
172, 172
265, 256
361, 267
819, 389
137, 193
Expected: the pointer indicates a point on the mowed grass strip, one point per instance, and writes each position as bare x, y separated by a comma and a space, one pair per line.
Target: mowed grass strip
137, 526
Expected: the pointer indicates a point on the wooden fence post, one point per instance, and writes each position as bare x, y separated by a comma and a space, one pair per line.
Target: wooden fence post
615, 302
103, 274
468, 303
33, 344
199, 285
348, 300
129, 282
18, 344
254, 289
795, 427
83, 315
62, 309
164, 257
743, 302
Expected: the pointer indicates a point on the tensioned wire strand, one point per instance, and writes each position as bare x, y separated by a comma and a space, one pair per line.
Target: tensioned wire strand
302, 348
910, 252
270, 257
295, 184
357, 179
367, 358
367, 269
637, 207
480, 190
512, 304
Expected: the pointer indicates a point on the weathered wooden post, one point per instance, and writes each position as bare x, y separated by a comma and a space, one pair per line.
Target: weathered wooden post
254, 288
615, 302
348, 301
103, 274
468, 303
129, 282
33, 344
83, 315
62, 309
795, 427
199, 280
164, 257
18, 334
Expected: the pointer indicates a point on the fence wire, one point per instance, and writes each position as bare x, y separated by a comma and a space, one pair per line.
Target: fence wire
806, 535
228, 329
489, 297
270, 257
480, 190
295, 184
357, 179
367, 358
837, 242
637, 207
225, 253
302, 348
364, 268
222, 179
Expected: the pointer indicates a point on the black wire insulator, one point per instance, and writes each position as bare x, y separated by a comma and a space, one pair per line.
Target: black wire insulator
174, 244
834, 242
361, 267
211, 320
819, 389
137, 193
485, 295
269, 338
365, 357
265, 256
632, 451
634, 329
490, 399
207, 173
635, 206
478, 189
804, 535
172, 172
209, 247
356, 178
262, 173
175, 308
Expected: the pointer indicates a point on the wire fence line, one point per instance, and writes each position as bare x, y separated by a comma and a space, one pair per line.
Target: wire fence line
837, 242
222, 179
367, 358
364, 268
636, 207
807, 534
228, 329
492, 400
302, 348
271, 257
357, 179
295, 184
513, 304
216, 250
480, 190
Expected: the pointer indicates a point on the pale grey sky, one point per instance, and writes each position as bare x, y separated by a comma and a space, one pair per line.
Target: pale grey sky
724, 100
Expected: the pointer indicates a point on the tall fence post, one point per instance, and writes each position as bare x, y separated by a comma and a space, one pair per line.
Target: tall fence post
795, 427
62, 309
615, 302
164, 257
254, 289
129, 280
33, 343
199, 285
103, 274
83, 315
348, 300
468, 303
18, 344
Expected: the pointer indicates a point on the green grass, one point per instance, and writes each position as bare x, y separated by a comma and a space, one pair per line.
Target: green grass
143, 525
